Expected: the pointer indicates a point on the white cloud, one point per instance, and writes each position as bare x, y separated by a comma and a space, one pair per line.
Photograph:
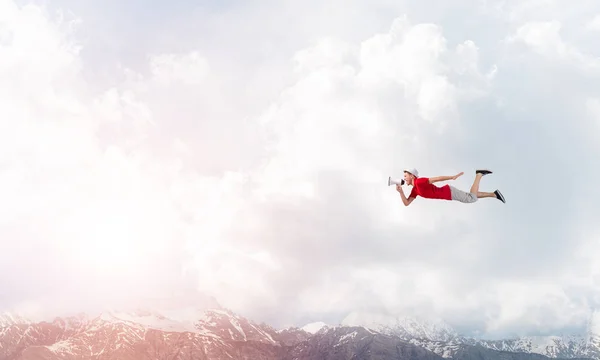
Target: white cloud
545, 39
188, 68
85, 197
594, 23
536, 305
189, 163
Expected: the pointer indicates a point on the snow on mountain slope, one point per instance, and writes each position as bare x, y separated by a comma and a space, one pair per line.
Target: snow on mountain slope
149, 320
593, 332
72, 323
347, 342
551, 346
314, 327
215, 323
234, 327
404, 327
445, 349
7, 319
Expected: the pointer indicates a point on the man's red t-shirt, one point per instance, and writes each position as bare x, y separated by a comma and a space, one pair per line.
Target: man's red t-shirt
422, 187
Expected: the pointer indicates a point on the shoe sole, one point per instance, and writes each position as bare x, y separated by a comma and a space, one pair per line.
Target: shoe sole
499, 196
483, 171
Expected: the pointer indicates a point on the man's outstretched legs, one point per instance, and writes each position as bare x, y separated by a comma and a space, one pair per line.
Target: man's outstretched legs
482, 194
474, 193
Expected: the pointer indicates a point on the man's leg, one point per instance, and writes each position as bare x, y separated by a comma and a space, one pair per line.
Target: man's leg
478, 175
496, 194
481, 194
469, 197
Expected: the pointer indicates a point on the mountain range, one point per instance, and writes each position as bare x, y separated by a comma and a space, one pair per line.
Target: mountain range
214, 332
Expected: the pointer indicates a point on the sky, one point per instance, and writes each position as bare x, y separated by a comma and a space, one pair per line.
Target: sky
242, 150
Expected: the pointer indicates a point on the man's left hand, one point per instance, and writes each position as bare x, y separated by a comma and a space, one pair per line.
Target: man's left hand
457, 175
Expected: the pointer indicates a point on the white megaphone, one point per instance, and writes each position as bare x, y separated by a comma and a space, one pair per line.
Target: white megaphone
393, 181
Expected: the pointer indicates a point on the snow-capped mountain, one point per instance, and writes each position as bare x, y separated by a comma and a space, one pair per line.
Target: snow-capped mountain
439, 337
212, 332
135, 335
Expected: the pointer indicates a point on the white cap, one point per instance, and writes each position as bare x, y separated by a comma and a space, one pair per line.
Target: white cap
413, 171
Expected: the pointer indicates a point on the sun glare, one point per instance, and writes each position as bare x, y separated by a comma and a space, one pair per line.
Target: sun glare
105, 240
110, 243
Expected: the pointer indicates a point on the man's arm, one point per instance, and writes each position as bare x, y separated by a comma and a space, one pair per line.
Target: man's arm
405, 201
444, 178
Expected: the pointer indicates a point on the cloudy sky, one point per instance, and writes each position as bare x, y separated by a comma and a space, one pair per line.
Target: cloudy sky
242, 148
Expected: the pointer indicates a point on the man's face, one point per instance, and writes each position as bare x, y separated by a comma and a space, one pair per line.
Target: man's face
408, 178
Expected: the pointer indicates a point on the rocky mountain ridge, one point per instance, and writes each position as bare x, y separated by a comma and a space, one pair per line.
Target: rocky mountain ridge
218, 333
439, 337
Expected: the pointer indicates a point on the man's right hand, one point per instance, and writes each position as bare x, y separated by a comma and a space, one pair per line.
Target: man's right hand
405, 201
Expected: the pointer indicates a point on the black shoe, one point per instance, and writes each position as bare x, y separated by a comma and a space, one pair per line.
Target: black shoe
499, 196
483, 172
